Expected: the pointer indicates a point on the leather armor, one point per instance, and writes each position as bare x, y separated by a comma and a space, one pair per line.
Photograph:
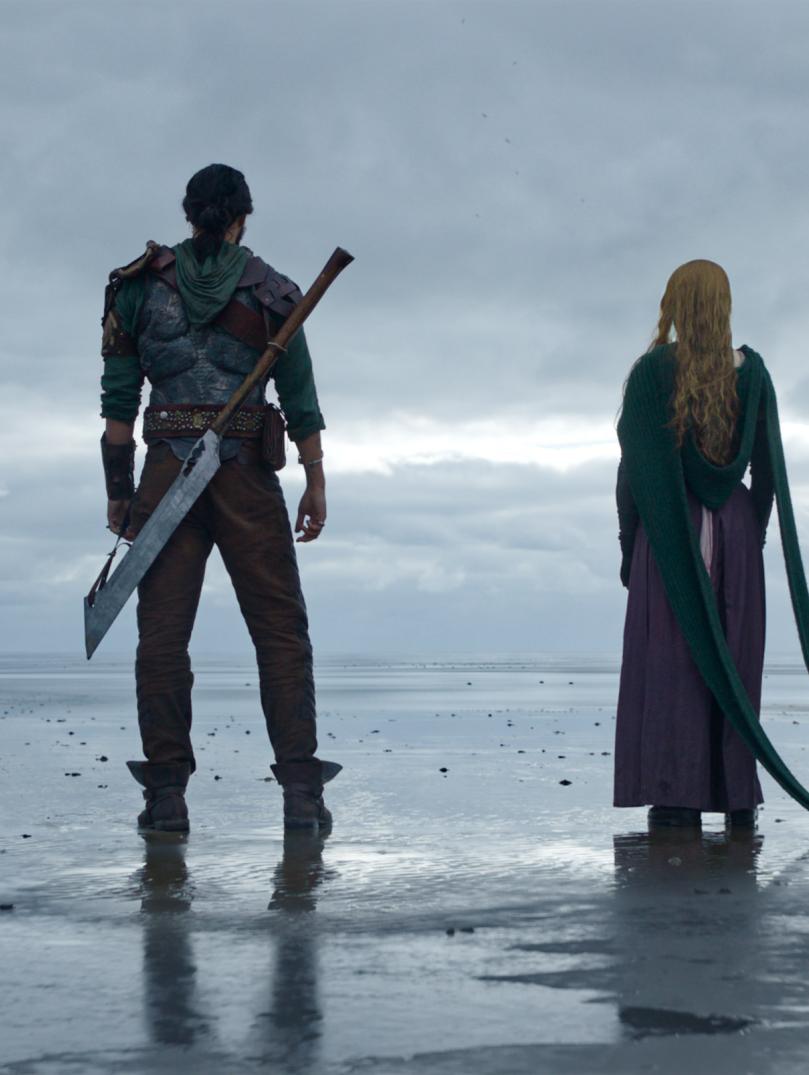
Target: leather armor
187, 364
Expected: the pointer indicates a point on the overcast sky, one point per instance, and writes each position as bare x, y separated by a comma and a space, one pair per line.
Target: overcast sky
516, 182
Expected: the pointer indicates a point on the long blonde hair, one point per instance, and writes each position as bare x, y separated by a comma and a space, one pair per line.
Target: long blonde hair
696, 304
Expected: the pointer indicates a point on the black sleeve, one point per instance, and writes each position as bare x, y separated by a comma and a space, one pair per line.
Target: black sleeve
628, 519
762, 485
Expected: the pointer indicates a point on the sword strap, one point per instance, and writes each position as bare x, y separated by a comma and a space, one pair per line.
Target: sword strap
101, 581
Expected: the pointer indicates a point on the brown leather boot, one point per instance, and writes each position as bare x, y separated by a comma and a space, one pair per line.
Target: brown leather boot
164, 791
304, 808
303, 793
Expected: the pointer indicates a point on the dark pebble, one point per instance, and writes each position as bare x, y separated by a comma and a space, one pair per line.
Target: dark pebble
443, 769
26, 836
565, 783
450, 932
6, 906
103, 757
217, 777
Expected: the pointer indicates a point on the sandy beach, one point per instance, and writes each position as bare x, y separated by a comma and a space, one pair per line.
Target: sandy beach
479, 907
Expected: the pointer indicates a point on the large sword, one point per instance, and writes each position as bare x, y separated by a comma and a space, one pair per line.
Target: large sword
108, 597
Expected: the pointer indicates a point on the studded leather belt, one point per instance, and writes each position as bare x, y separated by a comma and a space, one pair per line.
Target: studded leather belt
193, 419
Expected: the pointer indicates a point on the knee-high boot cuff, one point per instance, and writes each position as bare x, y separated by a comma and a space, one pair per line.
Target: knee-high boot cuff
315, 773
153, 775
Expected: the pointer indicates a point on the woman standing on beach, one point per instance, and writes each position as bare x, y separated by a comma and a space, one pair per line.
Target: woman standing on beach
696, 414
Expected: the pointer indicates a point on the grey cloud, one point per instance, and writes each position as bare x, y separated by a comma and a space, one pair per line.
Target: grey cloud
508, 265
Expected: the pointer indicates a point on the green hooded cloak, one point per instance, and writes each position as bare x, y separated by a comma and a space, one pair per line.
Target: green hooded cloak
206, 287
659, 473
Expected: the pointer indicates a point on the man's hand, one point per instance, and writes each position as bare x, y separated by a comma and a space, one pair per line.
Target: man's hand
116, 513
311, 514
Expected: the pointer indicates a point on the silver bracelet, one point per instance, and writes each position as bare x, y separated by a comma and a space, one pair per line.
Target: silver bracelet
311, 462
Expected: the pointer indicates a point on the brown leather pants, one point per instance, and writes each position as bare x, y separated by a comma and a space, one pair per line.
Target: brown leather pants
242, 512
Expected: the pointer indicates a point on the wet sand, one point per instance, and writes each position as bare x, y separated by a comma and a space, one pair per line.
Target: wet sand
487, 919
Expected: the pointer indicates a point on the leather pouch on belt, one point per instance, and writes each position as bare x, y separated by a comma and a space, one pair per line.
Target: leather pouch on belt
273, 438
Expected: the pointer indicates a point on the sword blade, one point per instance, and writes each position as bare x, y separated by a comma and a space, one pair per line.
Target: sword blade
198, 469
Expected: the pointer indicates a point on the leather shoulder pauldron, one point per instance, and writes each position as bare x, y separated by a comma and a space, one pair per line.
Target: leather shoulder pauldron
115, 341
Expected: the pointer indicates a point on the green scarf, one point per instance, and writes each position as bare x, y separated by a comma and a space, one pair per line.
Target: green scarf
208, 287
657, 473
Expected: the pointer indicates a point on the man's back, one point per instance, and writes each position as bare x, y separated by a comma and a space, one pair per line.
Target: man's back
192, 320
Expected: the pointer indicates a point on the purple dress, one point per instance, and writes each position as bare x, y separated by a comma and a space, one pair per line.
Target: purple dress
673, 746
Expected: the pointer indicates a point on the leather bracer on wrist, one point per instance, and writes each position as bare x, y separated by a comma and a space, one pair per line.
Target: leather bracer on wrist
119, 469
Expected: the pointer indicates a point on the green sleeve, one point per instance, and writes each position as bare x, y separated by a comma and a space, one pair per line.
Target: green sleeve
295, 385
628, 520
128, 303
121, 384
122, 378
762, 481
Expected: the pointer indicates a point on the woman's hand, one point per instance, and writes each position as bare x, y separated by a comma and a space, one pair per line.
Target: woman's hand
311, 513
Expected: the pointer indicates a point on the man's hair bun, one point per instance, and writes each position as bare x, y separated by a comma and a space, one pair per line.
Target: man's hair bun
214, 198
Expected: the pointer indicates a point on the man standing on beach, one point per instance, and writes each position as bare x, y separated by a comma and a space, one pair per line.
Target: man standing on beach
193, 319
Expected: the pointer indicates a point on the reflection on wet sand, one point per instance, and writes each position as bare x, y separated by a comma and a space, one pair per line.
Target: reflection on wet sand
299, 873
289, 1031
169, 966
292, 1026
648, 857
679, 953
